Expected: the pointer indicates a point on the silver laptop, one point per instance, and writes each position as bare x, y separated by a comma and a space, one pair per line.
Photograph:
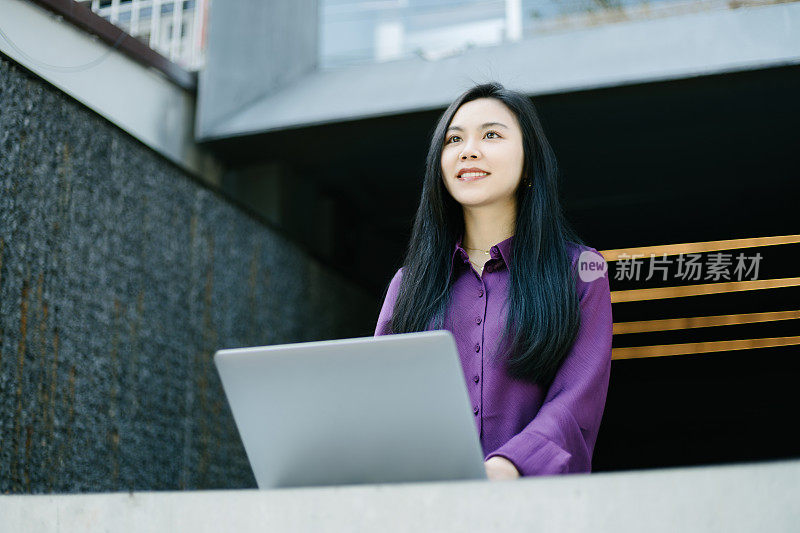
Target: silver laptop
386, 409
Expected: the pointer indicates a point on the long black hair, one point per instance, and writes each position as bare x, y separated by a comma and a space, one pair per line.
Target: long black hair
543, 311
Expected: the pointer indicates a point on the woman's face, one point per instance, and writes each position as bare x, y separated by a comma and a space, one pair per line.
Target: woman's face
482, 157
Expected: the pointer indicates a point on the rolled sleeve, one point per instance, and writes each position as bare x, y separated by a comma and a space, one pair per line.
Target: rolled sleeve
561, 437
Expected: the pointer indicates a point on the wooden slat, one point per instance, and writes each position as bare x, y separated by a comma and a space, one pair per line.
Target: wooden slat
638, 352
670, 324
699, 247
700, 289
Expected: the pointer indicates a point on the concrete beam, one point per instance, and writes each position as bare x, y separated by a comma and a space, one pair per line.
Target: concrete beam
605, 56
724, 499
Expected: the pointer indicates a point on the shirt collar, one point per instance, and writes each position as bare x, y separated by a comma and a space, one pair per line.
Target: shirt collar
501, 250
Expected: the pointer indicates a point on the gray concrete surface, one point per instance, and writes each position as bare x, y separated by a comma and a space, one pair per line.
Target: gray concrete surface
253, 49
605, 56
715, 499
119, 277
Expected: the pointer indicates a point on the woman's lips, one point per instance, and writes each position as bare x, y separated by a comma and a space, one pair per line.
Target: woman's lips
472, 176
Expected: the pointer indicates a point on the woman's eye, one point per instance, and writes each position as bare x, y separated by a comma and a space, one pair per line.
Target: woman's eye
489, 134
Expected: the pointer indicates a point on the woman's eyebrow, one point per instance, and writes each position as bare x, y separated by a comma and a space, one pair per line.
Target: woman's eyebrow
484, 125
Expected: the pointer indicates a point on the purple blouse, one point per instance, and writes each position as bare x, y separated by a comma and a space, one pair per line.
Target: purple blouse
542, 431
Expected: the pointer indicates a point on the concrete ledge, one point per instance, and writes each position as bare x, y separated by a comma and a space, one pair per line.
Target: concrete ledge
730, 498
137, 99
640, 51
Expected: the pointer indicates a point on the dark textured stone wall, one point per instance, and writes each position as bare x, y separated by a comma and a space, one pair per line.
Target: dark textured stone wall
119, 278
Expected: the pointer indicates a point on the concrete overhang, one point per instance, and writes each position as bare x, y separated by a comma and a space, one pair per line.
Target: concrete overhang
676, 47
708, 498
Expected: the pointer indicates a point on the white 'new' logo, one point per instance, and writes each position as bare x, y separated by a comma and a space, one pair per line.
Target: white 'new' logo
591, 266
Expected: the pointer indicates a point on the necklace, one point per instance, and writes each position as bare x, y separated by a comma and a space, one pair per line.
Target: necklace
484, 251
476, 266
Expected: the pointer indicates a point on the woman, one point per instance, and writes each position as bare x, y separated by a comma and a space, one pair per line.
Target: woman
492, 259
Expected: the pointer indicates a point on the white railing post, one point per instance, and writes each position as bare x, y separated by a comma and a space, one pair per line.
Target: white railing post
155, 25
114, 17
177, 24
134, 17
197, 33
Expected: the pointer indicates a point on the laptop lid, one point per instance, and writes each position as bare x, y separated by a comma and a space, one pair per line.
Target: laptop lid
392, 408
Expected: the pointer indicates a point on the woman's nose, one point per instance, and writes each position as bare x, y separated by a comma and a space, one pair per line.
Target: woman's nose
469, 153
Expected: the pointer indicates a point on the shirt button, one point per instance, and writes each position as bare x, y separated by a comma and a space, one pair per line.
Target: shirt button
476, 378
480, 293
475, 410
477, 347
477, 320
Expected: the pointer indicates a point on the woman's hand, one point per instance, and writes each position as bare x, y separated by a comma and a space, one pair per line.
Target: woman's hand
498, 468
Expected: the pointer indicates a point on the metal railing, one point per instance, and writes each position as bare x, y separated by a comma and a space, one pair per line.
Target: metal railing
174, 28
